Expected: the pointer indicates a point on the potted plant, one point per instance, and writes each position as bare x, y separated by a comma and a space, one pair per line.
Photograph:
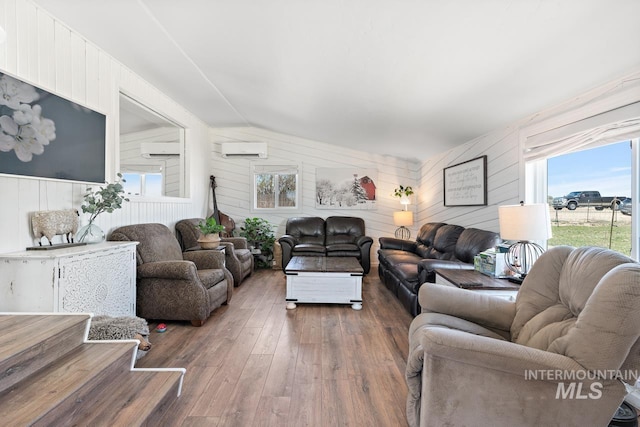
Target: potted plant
210, 230
259, 235
105, 199
403, 193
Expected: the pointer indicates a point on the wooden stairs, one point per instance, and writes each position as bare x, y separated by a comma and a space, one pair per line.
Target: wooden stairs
50, 374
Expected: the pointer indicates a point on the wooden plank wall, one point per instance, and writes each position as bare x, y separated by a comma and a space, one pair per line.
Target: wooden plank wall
43, 51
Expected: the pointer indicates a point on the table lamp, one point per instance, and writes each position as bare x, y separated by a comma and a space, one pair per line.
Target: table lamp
524, 223
403, 219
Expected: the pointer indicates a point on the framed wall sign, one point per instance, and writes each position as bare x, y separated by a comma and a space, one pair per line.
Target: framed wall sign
465, 184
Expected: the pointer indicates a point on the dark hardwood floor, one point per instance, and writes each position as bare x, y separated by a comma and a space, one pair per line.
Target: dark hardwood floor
254, 363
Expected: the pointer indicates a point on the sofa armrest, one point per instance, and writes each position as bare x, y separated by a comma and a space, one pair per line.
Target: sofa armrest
287, 243
400, 244
428, 266
179, 270
205, 259
289, 240
238, 242
364, 240
485, 310
493, 354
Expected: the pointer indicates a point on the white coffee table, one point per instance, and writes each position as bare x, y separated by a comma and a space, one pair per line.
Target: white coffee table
336, 280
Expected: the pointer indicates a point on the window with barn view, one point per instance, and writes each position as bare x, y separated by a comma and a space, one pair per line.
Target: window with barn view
275, 187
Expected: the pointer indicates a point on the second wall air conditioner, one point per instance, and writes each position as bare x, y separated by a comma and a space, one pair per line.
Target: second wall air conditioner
152, 150
255, 150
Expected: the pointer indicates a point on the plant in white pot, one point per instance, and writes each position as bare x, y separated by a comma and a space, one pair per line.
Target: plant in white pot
210, 230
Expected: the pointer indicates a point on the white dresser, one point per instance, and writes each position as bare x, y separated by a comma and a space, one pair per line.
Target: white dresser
97, 278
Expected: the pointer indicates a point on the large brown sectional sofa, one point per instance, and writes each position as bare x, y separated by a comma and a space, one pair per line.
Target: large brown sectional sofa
405, 265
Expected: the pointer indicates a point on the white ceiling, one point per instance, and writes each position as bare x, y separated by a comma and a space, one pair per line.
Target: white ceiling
400, 77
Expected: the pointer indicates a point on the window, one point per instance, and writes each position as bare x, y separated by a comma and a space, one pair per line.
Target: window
143, 183
585, 218
275, 187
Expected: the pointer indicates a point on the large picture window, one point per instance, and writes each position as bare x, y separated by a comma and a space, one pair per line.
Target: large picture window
275, 187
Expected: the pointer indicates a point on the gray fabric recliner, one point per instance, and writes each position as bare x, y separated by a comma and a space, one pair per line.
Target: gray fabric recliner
238, 258
479, 360
172, 285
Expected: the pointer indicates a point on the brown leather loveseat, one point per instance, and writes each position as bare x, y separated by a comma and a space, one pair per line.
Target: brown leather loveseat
337, 236
405, 265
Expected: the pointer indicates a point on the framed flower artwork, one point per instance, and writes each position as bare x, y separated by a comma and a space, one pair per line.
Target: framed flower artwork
43, 135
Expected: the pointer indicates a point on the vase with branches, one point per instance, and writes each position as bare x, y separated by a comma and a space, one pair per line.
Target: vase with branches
106, 198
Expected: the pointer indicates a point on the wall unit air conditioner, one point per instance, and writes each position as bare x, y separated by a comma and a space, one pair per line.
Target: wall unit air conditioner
152, 150
255, 150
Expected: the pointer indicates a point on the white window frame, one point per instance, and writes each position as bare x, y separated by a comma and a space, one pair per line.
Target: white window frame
276, 168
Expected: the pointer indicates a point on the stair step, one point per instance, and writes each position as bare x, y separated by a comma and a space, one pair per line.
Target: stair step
140, 398
72, 379
30, 342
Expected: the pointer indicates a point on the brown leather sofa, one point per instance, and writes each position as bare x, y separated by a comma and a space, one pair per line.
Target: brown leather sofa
405, 265
172, 285
238, 257
337, 236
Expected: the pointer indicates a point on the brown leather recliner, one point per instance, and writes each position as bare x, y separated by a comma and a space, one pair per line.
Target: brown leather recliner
238, 258
172, 285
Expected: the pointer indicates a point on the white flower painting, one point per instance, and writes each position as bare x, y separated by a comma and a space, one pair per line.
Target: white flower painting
23, 129
43, 135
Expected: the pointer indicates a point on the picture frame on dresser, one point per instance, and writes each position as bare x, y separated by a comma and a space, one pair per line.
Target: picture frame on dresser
465, 184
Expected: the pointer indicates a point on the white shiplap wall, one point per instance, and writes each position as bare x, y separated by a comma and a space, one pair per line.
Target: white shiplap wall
42, 51
233, 178
501, 149
504, 148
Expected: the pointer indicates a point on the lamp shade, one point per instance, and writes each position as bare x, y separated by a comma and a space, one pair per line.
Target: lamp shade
403, 218
525, 222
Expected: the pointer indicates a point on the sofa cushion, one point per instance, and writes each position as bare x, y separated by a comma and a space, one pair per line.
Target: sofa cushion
156, 242
393, 257
546, 315
210, 278
408, 274
243, 254
307, 230
444, 242
303, 249
343, 249
343, 230
472, 241
425, 238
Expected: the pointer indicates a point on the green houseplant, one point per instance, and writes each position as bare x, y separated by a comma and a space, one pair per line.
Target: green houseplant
260, 237
106, 198
210, 230
403, 194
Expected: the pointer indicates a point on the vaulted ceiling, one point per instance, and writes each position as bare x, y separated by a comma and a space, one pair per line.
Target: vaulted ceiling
399, 77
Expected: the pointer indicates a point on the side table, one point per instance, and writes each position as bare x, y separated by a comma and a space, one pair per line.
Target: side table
476, 281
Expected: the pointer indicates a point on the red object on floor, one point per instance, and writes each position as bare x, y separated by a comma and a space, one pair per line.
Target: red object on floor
161, 327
